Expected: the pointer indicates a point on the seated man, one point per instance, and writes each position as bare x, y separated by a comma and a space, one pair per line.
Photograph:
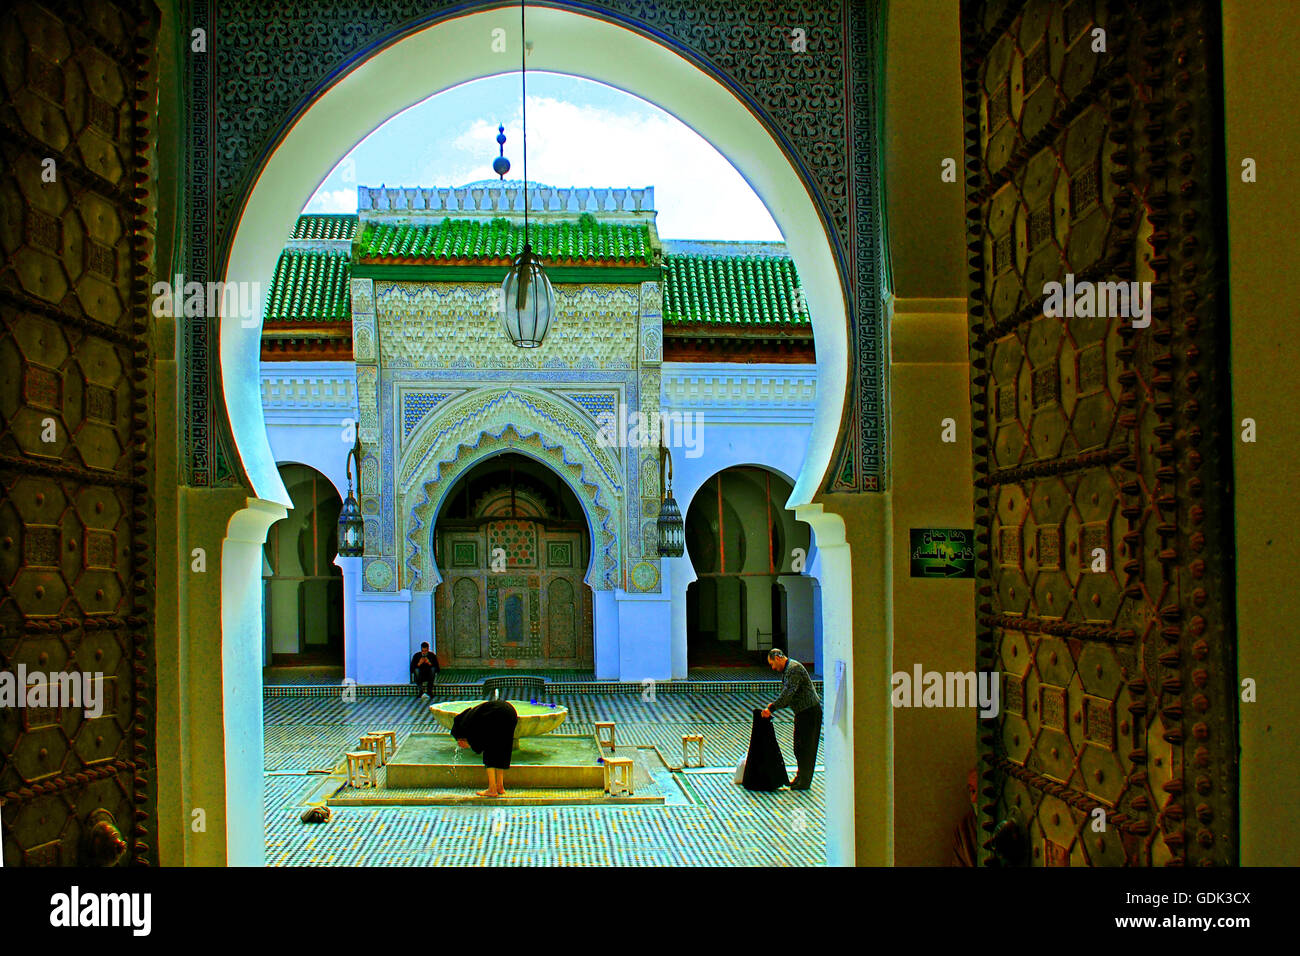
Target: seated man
489, 729
424, 665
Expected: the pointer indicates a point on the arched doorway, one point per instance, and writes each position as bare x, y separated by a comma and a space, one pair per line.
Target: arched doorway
513, 546
748, 553
406, 71
302, 587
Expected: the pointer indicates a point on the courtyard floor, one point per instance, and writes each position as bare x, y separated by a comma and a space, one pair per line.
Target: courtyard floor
704, 818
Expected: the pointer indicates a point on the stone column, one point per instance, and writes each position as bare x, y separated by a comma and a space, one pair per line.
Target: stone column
799, 616
644, 622
351, 568
383, 637
678, 575
604, 624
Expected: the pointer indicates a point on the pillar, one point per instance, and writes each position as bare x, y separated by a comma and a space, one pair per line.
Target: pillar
383, 637
799, 616
351, 568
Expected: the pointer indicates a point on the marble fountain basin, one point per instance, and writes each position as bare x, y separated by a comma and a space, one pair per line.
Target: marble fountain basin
534, 719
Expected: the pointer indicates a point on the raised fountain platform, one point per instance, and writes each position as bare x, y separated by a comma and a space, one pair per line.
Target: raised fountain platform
551, 761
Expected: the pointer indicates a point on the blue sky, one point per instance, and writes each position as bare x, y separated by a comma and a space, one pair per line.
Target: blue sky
580, 133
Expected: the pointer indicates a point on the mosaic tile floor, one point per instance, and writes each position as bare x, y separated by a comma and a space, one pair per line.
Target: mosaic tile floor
706, 819
313, 676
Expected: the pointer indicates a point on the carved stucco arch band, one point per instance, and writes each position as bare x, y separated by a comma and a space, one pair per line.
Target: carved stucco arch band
488, 423
452, 52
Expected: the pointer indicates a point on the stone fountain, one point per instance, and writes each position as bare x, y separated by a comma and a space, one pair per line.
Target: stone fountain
534, 719
540, 759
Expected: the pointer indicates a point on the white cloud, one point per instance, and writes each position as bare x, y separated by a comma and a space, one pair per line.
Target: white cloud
332, 200
698, 194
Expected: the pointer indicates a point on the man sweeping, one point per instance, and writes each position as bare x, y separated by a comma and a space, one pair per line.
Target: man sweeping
798, 693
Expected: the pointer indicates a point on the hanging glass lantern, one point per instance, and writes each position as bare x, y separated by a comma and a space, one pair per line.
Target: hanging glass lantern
672, 530
352, 528
527, 297
528, 301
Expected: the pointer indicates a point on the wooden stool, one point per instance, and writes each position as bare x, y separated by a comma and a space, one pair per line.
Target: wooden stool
376, 743
390, 743
618, 775
602, 739
361, 767
698, 740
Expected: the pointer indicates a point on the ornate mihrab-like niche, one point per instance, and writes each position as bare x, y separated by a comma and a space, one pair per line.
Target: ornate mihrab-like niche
807, 71
560, 435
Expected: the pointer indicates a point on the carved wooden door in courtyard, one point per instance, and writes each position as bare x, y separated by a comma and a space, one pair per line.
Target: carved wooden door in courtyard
77, 752
512, 595
1101, 442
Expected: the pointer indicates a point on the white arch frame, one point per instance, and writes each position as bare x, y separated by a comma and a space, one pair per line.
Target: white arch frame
445, 54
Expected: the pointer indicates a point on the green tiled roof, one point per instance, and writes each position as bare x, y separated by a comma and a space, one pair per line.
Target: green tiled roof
309, 287
333, 226
497, 242
739, 290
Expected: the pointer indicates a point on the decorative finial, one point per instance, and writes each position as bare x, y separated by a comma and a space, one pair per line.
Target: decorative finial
501, 165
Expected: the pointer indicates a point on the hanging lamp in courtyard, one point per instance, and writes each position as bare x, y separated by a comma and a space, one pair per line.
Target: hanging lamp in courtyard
352, 529
672, 530
527, 298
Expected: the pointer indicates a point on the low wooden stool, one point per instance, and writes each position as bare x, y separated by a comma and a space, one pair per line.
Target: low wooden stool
603, 740
390, 743
698, 741
361, 767
619, 772
374, 742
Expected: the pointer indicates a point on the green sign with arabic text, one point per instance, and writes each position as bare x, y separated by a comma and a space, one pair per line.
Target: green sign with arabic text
943, 553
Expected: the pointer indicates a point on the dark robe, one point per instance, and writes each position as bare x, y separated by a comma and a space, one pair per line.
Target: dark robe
764, 765
425, 672
489, 729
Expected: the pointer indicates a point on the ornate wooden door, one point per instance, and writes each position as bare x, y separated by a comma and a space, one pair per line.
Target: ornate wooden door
528, 609
76, 456
1103, 512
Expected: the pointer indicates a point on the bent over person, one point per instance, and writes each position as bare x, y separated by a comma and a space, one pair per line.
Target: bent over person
798, 693
489, 729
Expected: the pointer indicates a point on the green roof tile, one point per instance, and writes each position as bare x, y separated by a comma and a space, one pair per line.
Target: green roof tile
309, 287
732, 290
498, 241
333, 226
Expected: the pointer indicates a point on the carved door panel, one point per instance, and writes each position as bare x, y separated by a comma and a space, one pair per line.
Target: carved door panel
1103, 517
533, 610
76, 457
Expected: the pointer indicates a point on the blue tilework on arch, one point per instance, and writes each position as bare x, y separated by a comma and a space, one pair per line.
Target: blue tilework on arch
415, 405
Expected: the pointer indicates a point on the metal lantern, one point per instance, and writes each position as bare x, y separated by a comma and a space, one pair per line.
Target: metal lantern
527, 300
672, 530
352, 529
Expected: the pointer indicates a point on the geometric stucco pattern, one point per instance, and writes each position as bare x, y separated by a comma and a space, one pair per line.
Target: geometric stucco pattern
448, 377
819, 102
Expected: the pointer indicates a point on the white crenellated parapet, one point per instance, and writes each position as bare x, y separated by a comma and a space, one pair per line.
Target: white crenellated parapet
769, 392
330, 387
503, 199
